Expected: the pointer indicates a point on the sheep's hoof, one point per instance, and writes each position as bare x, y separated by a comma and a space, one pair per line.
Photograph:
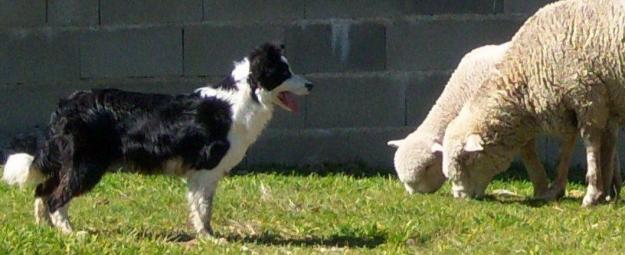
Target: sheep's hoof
554, 193
592, 199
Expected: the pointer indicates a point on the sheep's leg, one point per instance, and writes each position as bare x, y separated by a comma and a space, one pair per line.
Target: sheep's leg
608, 165
617, 181
535, 169
595, 191
558, 186
592, 114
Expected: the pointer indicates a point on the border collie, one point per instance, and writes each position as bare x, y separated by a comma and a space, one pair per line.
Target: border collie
199, 136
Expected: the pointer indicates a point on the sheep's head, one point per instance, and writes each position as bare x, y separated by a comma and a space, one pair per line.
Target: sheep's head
468, 162
417, 166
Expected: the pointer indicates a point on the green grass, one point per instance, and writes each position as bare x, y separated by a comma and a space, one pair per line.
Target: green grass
273, 213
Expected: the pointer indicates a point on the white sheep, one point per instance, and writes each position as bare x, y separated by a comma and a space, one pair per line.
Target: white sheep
564, 72
419, 168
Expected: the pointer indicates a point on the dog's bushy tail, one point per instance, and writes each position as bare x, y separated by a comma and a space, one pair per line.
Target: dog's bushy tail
19, 169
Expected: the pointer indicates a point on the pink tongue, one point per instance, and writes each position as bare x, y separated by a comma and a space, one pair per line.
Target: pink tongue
288, 99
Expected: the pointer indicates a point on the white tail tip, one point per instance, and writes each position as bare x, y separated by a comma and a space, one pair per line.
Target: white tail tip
17, 170
395, 143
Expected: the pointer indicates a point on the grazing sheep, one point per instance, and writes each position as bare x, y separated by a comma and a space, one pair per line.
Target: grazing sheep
565, 68
419, 168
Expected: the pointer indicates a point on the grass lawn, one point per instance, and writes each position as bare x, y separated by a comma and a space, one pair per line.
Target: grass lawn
302, 214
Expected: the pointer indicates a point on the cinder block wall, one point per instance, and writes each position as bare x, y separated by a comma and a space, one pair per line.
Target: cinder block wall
378, 65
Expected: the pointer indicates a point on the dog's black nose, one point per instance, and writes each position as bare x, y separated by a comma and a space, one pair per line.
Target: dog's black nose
309, 86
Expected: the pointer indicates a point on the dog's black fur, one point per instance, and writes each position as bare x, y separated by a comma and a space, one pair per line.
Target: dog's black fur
91, 130
23, 142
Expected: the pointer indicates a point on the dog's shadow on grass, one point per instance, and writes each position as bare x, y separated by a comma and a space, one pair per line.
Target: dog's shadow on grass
265, 238
341, 241
144, 234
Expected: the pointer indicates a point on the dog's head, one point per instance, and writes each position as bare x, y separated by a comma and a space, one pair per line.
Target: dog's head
273, 78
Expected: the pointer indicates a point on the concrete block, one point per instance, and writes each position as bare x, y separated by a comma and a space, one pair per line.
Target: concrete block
48, 55
524, 6
323, 9
212, 50
356, 102
73, 12
131, 52
316, 146
337, 47
150, 12
439, 44
236, 11
24, 107
433, 7
22, 13
421, 94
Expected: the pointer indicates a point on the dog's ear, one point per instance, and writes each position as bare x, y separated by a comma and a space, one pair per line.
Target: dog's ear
437, 148
474, 143
266, 52
267, 69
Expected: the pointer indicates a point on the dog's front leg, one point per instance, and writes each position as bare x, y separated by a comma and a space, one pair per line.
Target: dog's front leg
202, 185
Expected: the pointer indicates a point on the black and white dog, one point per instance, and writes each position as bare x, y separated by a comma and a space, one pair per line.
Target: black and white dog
199, 136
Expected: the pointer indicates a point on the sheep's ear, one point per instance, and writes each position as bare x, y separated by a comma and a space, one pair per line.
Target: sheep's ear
395, 143
474, 143
437, 148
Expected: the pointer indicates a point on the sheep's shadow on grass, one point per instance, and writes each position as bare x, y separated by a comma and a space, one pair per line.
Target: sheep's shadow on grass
536, 203
341, 241
526, 201
517, 172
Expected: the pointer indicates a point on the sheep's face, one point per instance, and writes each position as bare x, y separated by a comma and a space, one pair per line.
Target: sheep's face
417, 167
468, 162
